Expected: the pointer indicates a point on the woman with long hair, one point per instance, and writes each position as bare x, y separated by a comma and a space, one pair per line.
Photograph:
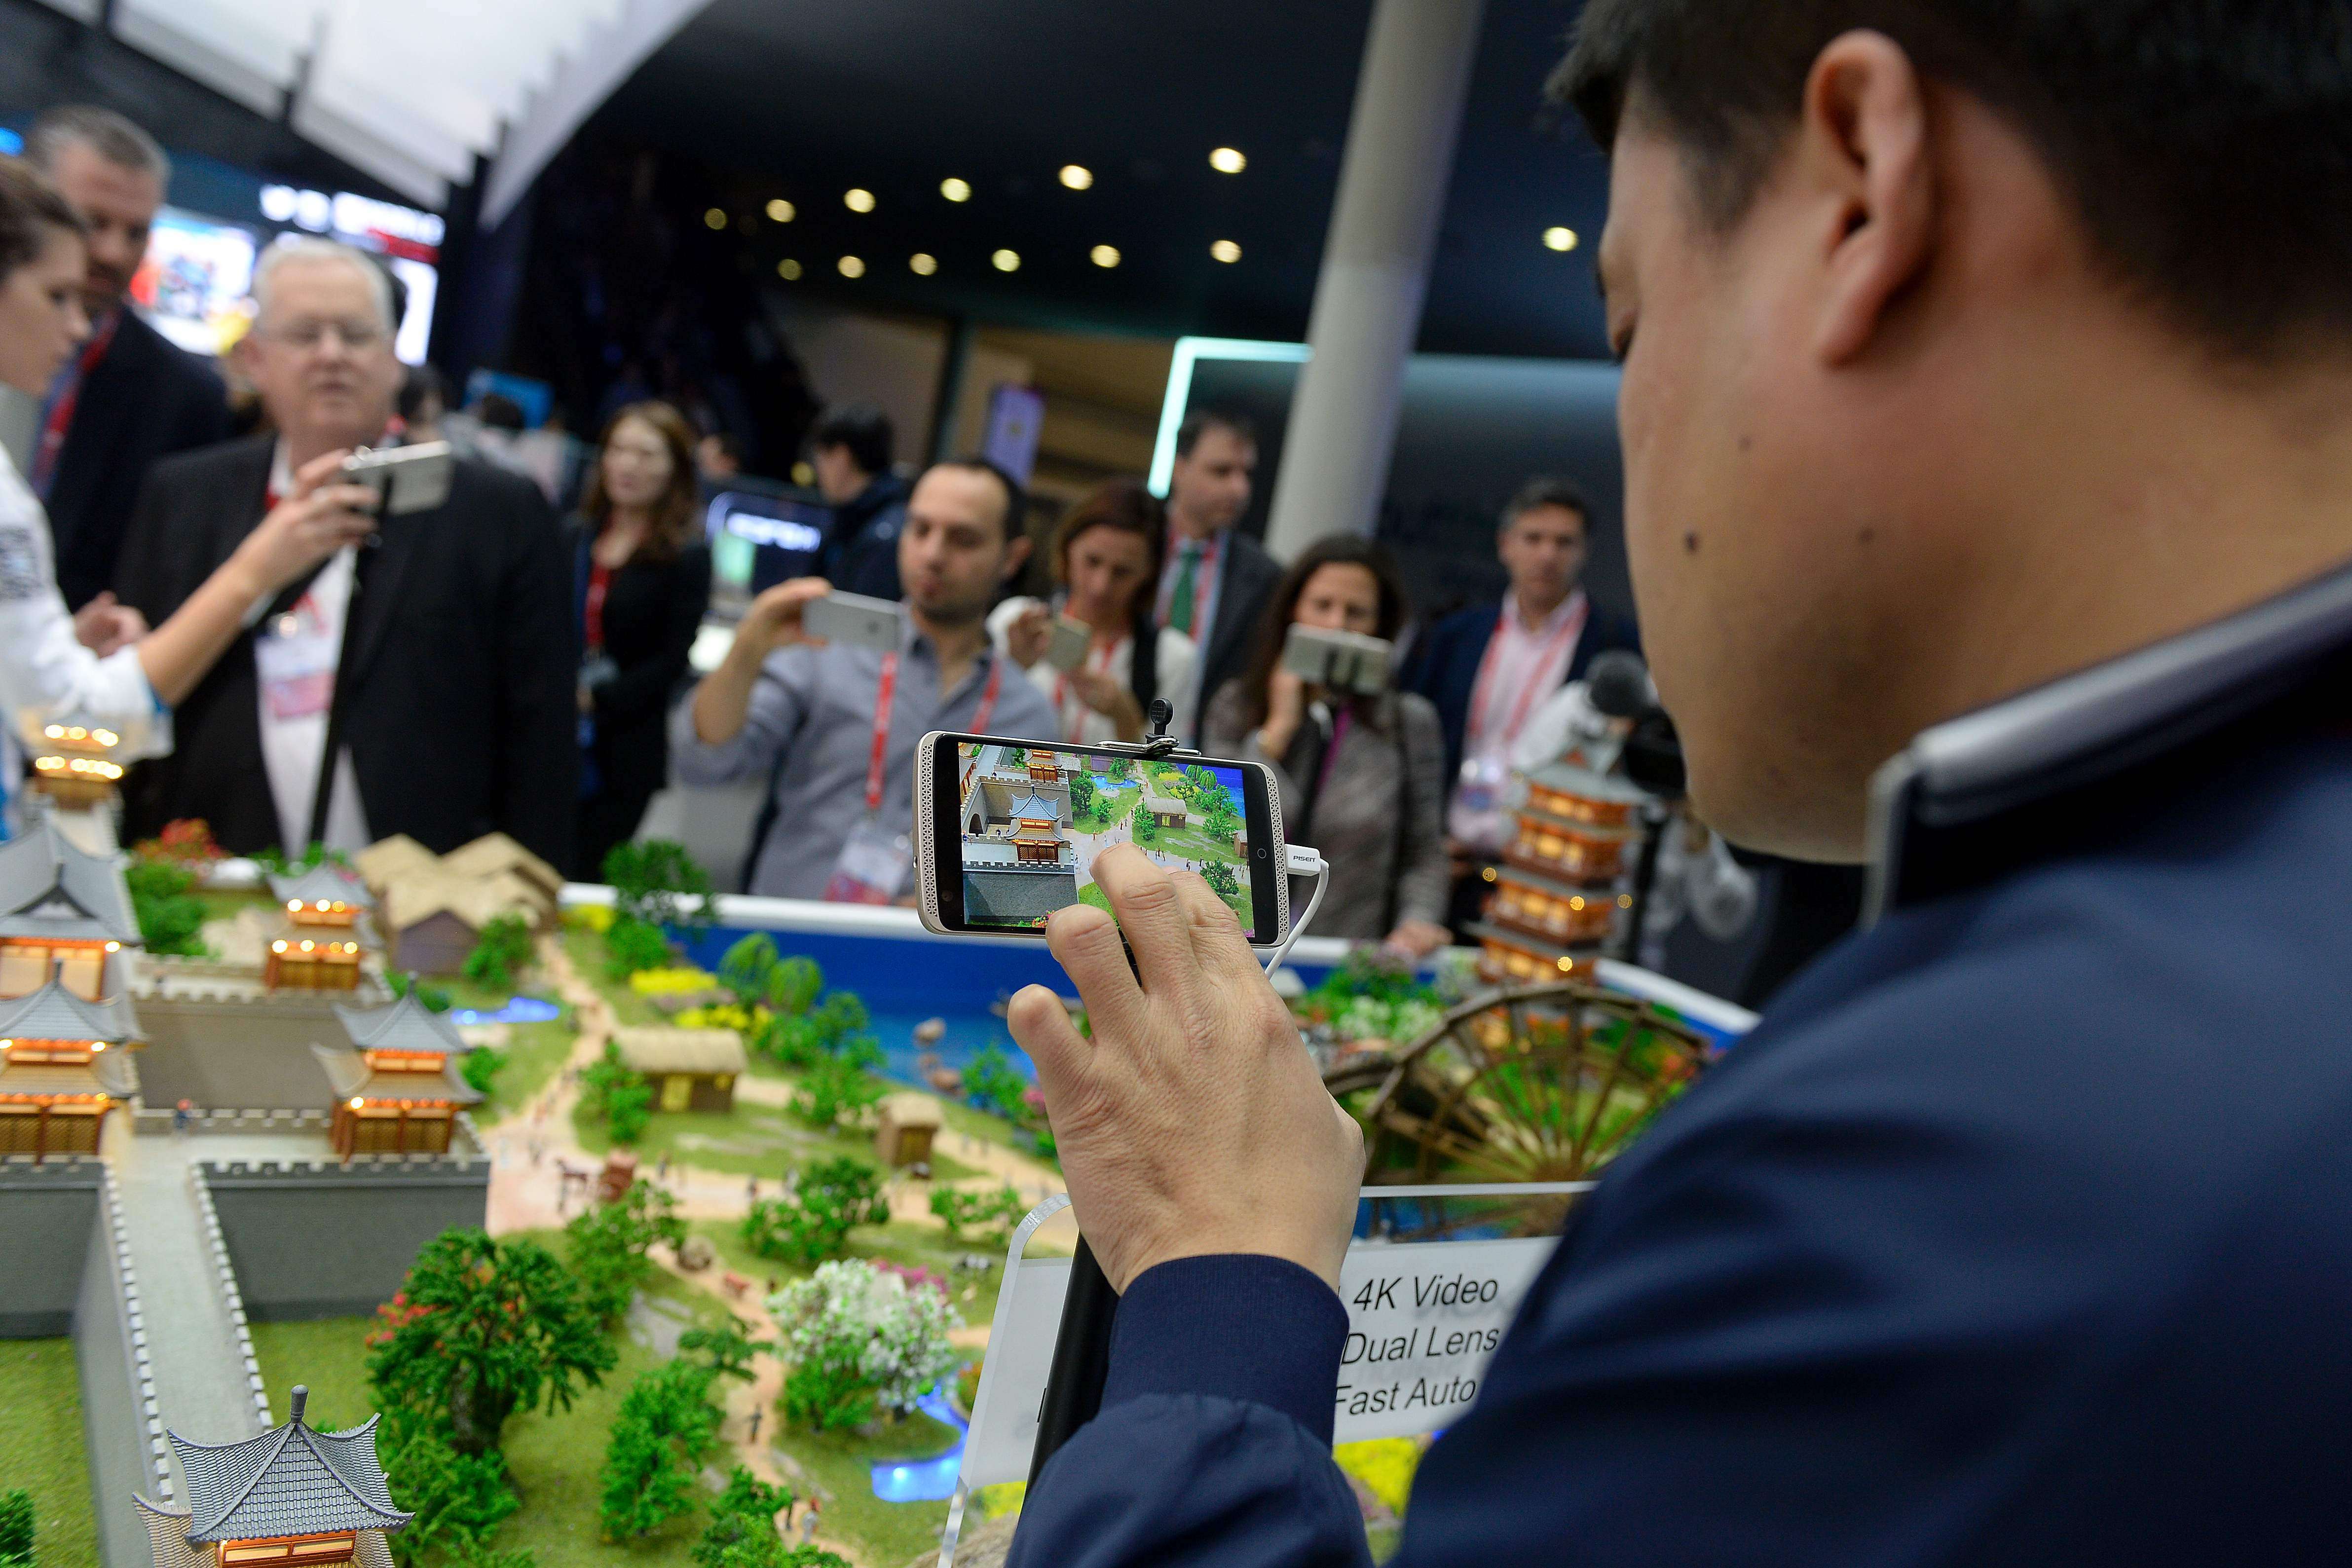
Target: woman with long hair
108, 669
1105, 556
643, 583
1362, 778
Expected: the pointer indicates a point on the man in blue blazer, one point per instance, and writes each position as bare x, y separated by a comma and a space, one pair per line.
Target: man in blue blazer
1989, 511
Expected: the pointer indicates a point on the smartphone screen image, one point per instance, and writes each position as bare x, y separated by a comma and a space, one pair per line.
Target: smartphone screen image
1015, 828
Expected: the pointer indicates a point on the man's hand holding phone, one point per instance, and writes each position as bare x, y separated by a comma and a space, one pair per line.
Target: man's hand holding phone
303, 529
1192, 1123
773, 621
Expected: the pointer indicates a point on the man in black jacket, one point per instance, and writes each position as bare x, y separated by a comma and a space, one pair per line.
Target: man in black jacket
130, 396
438, 666
851, 450
1989, 509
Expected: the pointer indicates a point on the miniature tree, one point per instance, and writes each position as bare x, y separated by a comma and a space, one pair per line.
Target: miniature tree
1119, 769
1223, 821
1017, 755
1200, 782
748, 969
612, 1089
458, 1499
171, 920
1082, 796
16, 1529
631, 945
1220, 879
607, 1245
794, 985
480, 1068
503, 950
483, 1329
651, 878
982, 1216
723, 1350
743, 1529
861, 1340
666, 1428
1147, 826
991, 1083
431, 997
839, 1085
812, 1221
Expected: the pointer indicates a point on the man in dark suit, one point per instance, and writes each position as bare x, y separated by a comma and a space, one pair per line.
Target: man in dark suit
1216, 581
851, 451
1489, 667
438, 668
129, 397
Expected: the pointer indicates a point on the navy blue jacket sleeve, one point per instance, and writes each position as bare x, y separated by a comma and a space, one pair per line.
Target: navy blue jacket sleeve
1215, 1441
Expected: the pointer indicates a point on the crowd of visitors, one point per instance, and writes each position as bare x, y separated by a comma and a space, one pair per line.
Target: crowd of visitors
316, 674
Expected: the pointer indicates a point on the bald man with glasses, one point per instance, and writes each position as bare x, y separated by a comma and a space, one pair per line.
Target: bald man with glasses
423, 683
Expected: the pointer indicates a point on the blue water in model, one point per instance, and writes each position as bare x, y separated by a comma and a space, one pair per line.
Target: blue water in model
517, 1010
924, 1480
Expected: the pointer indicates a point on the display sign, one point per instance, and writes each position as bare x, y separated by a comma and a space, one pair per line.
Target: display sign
1423, 1318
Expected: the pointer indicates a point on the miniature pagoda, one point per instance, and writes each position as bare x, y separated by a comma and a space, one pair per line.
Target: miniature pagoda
319, 948
60, 907
1556, 897
64, 1063
71, 759
397, 1087
1037, 831
293, 1497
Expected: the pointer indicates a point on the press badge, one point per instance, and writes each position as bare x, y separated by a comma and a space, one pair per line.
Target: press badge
873, 867
295, 655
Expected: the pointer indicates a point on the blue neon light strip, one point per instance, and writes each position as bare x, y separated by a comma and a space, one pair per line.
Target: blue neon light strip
1190, 351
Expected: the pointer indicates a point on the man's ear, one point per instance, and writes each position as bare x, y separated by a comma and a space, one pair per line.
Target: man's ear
1863, 147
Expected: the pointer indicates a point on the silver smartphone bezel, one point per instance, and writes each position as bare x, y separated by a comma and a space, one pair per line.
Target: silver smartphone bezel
1065, 628
396, 472
926, 870
867, 614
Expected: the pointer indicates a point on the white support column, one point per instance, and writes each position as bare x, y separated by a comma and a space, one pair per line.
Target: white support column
1376, 258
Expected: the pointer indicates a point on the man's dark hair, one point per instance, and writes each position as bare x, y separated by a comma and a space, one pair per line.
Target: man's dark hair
104, 132
860, 427
2207, 143
729, 447
1545, 489
418, 384
31, 214
1016, 499
1200, 421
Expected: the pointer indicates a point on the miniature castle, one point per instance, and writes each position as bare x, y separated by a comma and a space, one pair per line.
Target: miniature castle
397, 1085
293, 1497
1555, 900
72, 759
65, 1030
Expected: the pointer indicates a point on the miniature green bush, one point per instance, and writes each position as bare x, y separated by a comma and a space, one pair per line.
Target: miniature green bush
502, 951
632, 944
480, 1068
991, 1083
606, 1245
983, 1216
651, 879
612, 1089
743, 1529
1220, 878
1082, 795
812, 1221
16, 1529
458, 1499
839, 1087
667, 1427
431, 997
170, 920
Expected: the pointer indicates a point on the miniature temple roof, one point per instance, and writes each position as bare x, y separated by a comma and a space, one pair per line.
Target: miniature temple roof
48, 888
404, 1024
1571, 778
1033, 804
351, 1076
658, 1050
324, 880
53, 1013
292, 1480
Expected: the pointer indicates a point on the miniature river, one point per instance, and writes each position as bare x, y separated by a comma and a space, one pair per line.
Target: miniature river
924, 1480
517, 1010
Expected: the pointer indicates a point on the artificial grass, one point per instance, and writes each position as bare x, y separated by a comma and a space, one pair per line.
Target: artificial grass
535, 1054
41, 1448
842, 1463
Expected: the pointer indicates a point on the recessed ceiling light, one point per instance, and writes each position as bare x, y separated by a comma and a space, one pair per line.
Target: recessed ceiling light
850, 267
924, 263
1556, 238
788, 270
1007, 262
1228, 160
955, 190
1104, 255
803, 474
715, 218
1226, 251
1078, 176
857, 199
780, 210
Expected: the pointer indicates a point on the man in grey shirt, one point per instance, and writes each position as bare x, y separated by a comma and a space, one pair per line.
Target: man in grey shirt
816, 708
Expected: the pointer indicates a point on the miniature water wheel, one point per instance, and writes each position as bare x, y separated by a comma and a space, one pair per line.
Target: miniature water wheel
1538, 1083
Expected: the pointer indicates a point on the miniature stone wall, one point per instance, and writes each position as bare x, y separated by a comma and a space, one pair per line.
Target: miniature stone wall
328, 1240
220, 1051
47, 1213
123, 1426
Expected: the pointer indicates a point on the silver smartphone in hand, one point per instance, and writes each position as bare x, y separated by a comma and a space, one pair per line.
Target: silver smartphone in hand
853, 619
405, 479
1338, 661
1071, 639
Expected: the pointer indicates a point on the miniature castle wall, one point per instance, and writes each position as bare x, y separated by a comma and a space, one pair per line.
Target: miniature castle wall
47, 1213
220, 1051
319, 1240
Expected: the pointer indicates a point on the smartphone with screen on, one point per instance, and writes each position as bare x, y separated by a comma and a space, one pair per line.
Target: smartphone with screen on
1071, 639
1006, 831
853, 619
405, 479
1338, 661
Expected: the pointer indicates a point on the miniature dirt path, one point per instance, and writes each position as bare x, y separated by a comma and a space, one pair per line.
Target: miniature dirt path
760, 1395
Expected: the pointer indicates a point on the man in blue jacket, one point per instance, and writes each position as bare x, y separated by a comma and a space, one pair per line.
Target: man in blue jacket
1988, 406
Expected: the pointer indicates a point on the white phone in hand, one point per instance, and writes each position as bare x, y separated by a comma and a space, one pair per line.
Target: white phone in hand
405, 479
1339, 661
855, 619
1067, 650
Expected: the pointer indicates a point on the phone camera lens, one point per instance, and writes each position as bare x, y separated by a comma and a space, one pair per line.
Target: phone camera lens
1260, 851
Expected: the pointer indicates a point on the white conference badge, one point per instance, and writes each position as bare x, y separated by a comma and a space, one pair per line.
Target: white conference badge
1422, 1320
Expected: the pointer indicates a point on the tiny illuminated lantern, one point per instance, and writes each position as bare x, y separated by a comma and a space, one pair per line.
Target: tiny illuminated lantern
293, 1497
74, 760
319, 948
1555, 900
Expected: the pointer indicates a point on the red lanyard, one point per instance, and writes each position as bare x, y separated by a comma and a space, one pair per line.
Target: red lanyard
886, 694
60, 419
1570, 629
600, 582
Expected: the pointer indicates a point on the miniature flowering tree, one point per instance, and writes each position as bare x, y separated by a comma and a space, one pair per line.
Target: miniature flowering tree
812, 1221
860, 1341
